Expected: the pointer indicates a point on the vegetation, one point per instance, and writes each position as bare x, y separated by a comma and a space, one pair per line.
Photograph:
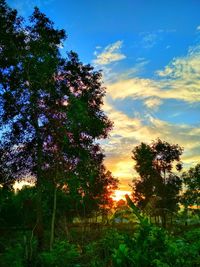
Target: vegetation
157, 189
51, 119
191, 180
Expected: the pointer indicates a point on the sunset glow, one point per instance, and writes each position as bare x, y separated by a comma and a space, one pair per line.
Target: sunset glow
120, 194
18, 185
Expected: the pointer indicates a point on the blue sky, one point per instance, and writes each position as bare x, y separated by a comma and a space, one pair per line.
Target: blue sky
149, 51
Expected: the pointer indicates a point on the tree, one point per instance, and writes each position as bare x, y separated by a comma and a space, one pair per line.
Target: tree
191, 180
51, 112
154, 164
11, 47
79, 121
27, 84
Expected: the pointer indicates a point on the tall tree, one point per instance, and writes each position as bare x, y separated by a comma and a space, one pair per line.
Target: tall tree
11, 47
27, 82
191, 180
51, 110
154, 164
79, 122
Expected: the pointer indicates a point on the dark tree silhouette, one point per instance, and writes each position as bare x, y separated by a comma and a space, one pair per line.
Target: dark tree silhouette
51, 111
191, 180
26, 91
154, 164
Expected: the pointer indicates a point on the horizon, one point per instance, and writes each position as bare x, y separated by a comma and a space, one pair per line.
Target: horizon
150, 58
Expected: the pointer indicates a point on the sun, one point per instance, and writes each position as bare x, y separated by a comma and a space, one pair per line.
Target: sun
120, 194
19, 185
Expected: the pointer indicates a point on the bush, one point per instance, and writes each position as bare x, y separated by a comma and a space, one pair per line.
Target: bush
13, 256
63, 254
151, 246
99, 253
121, 257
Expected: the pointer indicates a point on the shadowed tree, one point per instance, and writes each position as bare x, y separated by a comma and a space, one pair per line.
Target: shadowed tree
79, 121
51, 112
191, 180
6, 175
11, 49
27, 81
154, 164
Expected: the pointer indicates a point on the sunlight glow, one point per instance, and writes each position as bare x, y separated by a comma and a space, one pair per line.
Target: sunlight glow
120, 194
19, 185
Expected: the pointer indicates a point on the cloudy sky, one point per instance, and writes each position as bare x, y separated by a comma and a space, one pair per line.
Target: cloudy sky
149, 51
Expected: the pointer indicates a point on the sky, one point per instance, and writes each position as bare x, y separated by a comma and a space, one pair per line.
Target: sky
149, 52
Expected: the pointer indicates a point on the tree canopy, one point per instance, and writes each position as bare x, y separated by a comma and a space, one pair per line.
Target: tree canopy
191, 180
51, 112
154, 164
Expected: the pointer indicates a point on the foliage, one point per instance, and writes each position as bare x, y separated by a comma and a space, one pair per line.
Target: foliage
98, 253
13, 256
122, 212
121, 256
51, 116
191, 179
152, 246
154, 164
146, 246
62, 253
18, 209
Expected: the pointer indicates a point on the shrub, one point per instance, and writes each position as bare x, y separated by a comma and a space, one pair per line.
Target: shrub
99, 253
13, 256
63, 254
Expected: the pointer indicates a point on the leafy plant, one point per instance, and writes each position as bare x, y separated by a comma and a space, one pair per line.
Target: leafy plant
121, 257
99, 253
13, 256
62, 254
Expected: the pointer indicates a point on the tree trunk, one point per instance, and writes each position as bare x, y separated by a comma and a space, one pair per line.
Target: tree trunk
53, 217
66, 228
39, 212
39, 230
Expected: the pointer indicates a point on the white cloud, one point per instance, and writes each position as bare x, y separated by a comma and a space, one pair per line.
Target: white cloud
149, 40
186, 67
133, 88
111, 53
152, 38
111, 77
153, 103
178, 80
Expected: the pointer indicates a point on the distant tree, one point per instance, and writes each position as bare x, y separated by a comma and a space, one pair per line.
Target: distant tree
191, 180
6, 176
121, 211
154, 164
107, 185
